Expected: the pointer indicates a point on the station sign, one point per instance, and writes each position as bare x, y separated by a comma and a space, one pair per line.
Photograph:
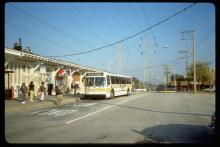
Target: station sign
43, 70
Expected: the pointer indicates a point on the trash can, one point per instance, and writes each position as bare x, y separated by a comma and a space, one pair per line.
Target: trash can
8, 94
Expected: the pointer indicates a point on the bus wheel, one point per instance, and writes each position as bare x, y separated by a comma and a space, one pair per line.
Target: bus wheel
128, 92
112, 94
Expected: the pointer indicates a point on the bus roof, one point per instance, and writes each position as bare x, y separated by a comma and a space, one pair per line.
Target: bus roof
107, 73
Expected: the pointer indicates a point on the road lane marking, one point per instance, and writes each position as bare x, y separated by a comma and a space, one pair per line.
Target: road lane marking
49, 112
108, 107
53, 112
40, 111
87, 105
83, 104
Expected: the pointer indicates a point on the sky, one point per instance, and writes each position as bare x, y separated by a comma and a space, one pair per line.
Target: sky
56, 29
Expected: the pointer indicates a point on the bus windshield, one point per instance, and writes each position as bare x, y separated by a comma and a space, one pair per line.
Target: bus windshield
94, 81
99, 81
89, 82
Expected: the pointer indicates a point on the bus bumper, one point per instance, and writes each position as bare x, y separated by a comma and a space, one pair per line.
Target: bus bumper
106, 95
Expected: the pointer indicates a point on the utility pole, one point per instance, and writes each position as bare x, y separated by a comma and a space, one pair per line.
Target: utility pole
192, 34
174, 77
186, 59
166, 75
194, 65
150, 80
145, 77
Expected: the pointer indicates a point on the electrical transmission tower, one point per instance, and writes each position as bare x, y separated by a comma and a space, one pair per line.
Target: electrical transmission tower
186, 36
120, 59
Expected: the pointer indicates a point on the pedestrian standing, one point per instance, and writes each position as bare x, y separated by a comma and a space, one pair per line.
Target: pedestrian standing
72, 88
59, 93
31, 91
42, 91
24, 90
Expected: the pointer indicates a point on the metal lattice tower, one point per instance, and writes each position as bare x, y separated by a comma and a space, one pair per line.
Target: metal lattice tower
119, 59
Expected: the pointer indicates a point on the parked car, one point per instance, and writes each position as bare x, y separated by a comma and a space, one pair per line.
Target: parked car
211, 126
210, 89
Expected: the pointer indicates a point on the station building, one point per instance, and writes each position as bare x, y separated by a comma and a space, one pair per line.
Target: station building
22, 65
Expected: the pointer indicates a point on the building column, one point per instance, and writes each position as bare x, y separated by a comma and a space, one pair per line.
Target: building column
13, 76
26, 74
17, 75
20, 74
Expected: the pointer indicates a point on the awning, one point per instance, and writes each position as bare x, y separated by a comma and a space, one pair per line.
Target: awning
9, 71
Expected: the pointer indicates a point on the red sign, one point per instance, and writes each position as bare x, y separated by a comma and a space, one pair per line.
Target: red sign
61, 72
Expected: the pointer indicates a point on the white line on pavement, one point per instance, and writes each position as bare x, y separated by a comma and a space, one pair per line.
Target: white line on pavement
68, 122
40, 111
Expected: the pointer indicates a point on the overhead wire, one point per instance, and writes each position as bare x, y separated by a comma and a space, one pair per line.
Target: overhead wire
119, 56
131, 36
49, 25
121, 27
103, 19
40, 36
156, 65
205, 38
58, 12
149, 24
128, 24
148, 21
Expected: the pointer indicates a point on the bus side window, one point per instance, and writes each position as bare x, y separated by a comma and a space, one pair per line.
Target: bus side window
112, 80
123, 81
129, 81
108, 80
117, 80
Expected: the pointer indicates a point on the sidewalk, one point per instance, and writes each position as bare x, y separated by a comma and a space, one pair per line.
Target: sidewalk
15, 105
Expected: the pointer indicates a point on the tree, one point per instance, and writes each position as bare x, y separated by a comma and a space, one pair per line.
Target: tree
137, 83
202, 72
178, 77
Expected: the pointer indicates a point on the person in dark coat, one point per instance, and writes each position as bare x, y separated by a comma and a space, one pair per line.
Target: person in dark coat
31, 91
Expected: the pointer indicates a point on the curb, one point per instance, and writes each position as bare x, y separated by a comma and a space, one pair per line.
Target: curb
168, 91
31, 106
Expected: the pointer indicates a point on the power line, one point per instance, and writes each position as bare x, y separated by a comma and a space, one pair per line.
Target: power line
154, 66
91, 20
130, 6
48, 25
149, 24
129, 37
57, 11
122, 28
146, 16
116, 32
205, 38
128, 24
40, 36
103, 18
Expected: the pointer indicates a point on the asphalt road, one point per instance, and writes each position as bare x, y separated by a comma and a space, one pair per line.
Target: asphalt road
161, 117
